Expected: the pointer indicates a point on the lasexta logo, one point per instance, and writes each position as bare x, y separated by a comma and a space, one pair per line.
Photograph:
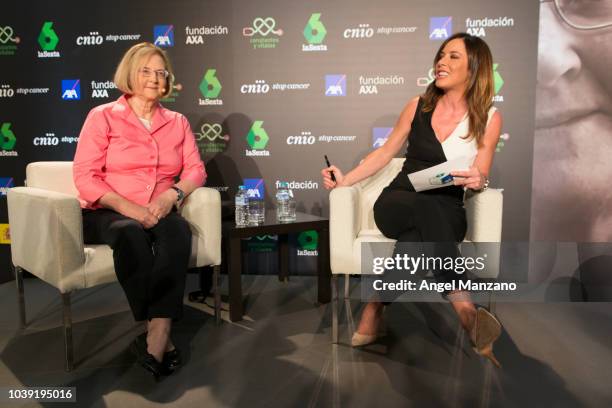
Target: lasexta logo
8, 140
257, 137
255, 188
315, 31
335, 85
497, 78
163, 35
308, 240
71, 89
47, 39
210, 87
440, 28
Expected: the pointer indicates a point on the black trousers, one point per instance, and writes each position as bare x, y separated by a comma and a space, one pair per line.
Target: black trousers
151, 264
437, 220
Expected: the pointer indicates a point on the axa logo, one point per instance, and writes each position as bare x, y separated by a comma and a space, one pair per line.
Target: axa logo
380, 136
257, 137
163, 35
71, 89
440, 28
255, 188
7, 139
335, 85
5, 184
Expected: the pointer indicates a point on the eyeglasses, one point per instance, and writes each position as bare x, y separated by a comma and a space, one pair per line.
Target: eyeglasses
161, 74
584, 14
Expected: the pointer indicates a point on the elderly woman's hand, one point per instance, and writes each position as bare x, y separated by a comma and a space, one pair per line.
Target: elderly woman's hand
471, 178
162, 204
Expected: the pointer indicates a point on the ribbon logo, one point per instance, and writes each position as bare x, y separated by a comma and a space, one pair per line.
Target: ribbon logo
6, 35
263, 27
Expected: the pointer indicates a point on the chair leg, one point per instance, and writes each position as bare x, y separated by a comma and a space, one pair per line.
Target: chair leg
67, 331
217, 293
20, 296
492, 302
347, 286
334, 282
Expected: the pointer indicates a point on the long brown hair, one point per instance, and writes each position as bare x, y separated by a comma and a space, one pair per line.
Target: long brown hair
480, 90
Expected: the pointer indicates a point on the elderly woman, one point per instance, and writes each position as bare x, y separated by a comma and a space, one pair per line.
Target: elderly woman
130, 154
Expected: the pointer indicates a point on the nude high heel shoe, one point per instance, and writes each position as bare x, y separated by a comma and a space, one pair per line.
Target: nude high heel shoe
359, 340
486, 330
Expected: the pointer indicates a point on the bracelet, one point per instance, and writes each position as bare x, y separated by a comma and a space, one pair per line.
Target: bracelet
485, 185
180, 194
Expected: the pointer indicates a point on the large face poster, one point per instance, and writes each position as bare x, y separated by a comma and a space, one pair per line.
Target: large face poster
571, 198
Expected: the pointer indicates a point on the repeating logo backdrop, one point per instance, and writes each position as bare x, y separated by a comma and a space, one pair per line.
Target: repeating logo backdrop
268, 88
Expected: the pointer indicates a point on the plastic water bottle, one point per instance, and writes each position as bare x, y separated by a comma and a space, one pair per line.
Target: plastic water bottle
285, 203
242, 207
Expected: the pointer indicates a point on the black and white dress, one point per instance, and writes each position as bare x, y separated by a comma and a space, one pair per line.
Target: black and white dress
435, 215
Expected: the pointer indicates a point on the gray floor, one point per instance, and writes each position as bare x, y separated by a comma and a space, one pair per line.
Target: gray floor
554, 355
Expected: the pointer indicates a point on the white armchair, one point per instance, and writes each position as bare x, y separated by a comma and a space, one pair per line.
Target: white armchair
351, 224
47, 238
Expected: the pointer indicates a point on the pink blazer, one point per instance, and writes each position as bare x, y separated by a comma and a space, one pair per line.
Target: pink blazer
117, 153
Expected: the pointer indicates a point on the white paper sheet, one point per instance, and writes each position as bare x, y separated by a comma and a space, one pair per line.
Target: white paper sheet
439, 175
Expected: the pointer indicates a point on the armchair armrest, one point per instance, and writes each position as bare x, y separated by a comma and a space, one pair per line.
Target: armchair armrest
46, 233
202, 209
343, 226
484, 214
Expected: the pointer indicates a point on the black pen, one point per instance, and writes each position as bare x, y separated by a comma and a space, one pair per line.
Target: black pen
329, 165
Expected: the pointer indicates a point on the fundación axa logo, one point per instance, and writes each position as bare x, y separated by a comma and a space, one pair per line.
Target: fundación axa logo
163, 36
440, 28
335, 85
210, 138
7, 140
477, 26
99, 89
195, 35
263, 33
210, 88
48, 39
71, 89
258, 139
8, 41
314, 33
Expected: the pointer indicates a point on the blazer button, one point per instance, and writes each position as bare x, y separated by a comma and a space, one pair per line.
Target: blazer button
149, 187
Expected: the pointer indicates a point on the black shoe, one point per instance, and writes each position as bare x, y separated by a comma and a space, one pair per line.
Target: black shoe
146, 360
172, 359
